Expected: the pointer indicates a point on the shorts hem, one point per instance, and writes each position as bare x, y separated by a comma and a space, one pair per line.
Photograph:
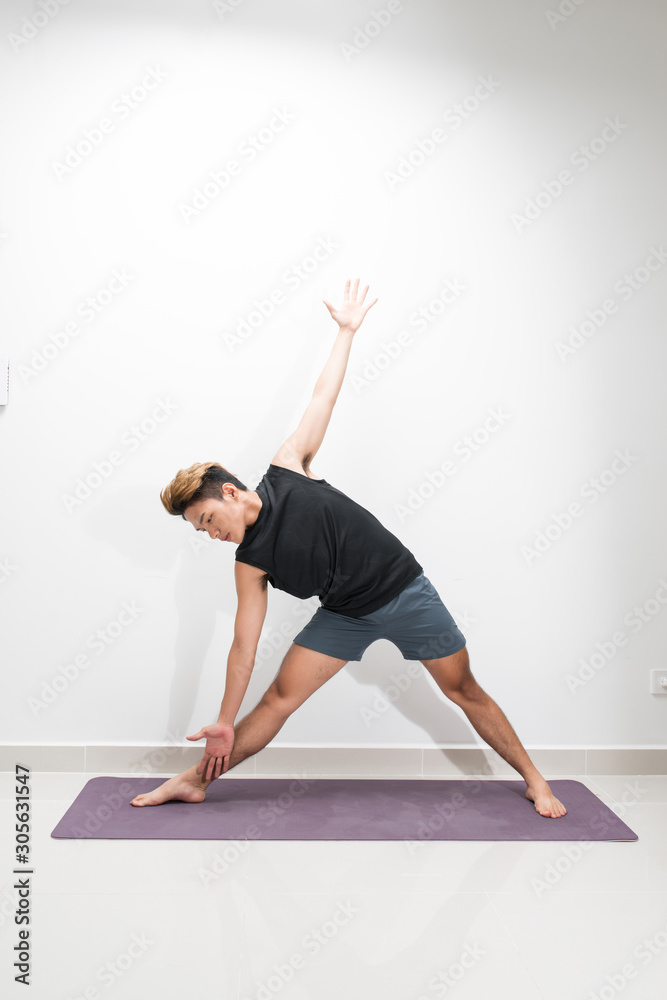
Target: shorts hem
439, 656
326, 652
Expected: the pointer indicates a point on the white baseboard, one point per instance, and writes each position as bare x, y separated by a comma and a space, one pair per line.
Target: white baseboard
286, 761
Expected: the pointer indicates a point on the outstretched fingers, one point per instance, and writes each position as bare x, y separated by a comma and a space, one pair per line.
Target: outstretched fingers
354, 306
370, 304
211, 769
203, 767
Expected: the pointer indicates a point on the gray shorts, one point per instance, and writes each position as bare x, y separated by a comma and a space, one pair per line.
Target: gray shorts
416, 621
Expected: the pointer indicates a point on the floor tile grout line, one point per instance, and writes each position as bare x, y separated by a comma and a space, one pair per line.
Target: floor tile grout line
518, 953
602, 791
243, 944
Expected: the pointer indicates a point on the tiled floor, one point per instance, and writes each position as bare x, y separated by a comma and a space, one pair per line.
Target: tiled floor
320, 920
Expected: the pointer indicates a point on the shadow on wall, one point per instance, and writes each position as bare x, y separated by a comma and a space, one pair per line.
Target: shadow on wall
157, 545
134, 523
417, 698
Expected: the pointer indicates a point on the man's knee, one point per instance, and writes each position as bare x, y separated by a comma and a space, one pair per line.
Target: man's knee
465, 688
454, 677
278, 701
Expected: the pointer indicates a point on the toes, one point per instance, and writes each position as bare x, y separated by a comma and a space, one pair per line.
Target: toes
142, 800
553, 810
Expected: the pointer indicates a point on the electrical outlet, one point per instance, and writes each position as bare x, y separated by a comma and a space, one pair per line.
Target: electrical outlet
659, 681
4, 381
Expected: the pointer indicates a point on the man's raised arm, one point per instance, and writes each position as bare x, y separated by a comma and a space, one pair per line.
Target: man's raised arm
307, 438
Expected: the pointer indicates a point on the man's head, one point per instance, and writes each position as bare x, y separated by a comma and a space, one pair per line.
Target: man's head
211, 498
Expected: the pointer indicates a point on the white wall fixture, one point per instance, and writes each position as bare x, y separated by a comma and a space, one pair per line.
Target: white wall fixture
4, 381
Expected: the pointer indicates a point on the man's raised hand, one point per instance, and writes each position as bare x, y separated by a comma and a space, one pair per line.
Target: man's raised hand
350, 315
219, 746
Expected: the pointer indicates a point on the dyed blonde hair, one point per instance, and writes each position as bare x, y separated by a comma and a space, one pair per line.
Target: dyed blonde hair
200, 481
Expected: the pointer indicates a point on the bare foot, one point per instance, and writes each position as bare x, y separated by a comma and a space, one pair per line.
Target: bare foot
546, 803
186, 787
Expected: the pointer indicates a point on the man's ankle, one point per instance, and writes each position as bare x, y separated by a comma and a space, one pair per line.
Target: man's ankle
191, 775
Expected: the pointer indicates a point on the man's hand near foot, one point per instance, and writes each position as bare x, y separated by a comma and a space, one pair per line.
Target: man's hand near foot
185, 787
219, 745
191, 785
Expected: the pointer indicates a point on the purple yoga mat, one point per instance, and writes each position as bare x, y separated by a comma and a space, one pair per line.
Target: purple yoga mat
339, 809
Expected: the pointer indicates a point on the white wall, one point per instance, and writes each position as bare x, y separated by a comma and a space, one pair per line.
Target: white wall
459, 218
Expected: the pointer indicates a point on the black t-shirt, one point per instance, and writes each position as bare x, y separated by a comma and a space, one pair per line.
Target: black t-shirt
312, 539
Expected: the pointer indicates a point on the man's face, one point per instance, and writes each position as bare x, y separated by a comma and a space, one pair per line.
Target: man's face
221, 518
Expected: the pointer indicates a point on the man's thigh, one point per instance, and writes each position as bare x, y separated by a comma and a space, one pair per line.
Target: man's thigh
301, 673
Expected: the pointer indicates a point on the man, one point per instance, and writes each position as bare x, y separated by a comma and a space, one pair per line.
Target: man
305, 537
